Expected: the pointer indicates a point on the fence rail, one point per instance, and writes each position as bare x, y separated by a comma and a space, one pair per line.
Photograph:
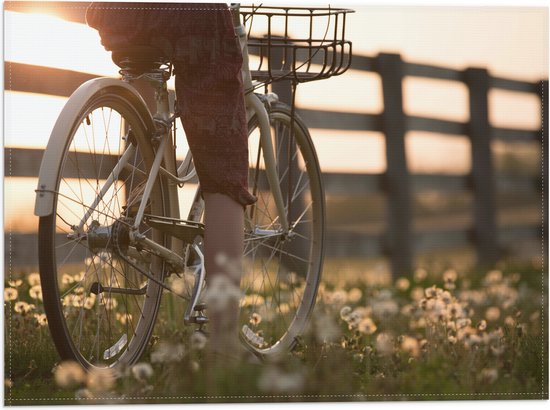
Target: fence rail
402, 234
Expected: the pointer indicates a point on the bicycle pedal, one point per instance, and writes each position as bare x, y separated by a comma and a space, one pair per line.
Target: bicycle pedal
201, 320
187, 231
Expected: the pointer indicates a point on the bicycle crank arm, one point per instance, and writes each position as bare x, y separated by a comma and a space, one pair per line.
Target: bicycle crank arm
173, 259
97, 288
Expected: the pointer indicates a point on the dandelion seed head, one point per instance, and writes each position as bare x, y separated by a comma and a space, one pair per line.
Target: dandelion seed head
492, 314
167, 353
123, 318
384, 308
482, 325
77, 277
283, 308
194, 365
41, 319
255, 319
109, 303
489, 375
410, 345
326, 329
89, 302
384, 344
142, 371
407, 310
345, 312
336, 298
15, 283
10, 294
535, 316
179, 286
446, 297
36, 292
252, 300
198, 341
402, 284
354, 295
69, 374
492, 277
33, 279
473, 340
417, 293
100, 380
450, 275
420, 274
431, 292
367, 326
23, 307
67, 279
463, 322
498, 350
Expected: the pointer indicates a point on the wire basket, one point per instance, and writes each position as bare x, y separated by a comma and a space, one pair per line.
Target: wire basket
296, 43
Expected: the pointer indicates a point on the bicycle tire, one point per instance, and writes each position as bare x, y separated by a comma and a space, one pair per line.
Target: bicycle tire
271, 328
109, 329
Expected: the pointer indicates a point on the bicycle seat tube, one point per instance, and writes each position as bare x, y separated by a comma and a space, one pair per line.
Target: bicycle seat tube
258, 108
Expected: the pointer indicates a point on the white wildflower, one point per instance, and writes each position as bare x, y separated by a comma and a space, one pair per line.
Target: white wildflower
69, 374
167, 353
100, 380
142, 371
198, 341
384, 344
345, 312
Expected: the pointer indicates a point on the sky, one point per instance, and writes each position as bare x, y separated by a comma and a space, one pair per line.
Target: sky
509, 41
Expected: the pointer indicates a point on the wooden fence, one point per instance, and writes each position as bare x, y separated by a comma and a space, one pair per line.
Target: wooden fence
399, 241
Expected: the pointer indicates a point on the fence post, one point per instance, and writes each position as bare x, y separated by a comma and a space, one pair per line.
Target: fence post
482, 176
399, 243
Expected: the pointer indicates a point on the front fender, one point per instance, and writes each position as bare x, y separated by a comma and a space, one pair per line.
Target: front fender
64, 128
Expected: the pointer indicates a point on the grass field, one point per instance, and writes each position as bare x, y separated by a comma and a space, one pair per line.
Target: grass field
435, 335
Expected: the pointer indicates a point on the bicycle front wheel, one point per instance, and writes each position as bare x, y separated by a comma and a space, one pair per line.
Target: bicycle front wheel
100, 300
282, 269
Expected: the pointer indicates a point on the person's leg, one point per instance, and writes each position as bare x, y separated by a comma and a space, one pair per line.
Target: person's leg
211, 103
223, 250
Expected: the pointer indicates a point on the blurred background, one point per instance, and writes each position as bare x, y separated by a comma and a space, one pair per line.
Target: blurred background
430, 145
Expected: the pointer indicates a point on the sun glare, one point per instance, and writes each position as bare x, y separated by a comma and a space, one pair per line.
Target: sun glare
46, 40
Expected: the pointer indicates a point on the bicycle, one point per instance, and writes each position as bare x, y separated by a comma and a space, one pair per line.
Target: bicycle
110, 234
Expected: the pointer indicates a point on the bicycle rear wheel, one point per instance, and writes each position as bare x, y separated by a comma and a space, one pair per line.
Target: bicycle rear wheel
101, 308
281, 270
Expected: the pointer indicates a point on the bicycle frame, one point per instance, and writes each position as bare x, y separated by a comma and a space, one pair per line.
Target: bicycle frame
164, 161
